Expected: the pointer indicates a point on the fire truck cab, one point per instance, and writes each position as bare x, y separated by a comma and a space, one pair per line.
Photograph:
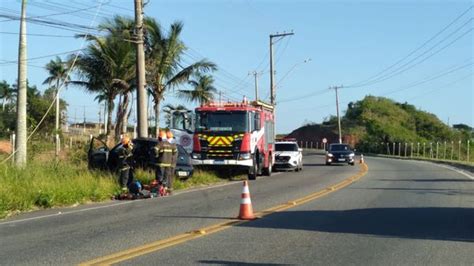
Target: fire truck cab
235, 135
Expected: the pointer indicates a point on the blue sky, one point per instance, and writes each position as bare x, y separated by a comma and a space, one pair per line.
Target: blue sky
347, 42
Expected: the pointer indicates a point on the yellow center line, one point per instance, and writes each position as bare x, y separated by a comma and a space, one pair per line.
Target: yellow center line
181, 238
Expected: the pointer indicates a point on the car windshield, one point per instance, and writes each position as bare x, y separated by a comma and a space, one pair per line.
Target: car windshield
339, 148
222, 121
286, 147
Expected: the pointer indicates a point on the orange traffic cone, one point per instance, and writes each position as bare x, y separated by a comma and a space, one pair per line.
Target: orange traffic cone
246, 211
361, 159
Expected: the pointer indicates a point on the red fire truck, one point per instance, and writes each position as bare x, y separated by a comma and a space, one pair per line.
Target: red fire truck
235, 135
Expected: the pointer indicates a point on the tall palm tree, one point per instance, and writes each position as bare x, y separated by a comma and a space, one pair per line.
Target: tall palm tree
165, 69
203, 89
58, 75
107, 67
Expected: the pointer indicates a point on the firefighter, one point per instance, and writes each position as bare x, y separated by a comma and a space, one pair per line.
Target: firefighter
163, 156
125, 163
169, 173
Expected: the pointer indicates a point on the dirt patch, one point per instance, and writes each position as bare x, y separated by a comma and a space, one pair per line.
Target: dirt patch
5, 146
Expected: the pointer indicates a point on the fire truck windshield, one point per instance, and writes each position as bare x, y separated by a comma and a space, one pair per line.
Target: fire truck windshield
221, 121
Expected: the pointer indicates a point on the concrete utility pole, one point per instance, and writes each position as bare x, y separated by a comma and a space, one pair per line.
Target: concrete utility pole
255, 74
337, 110
272, 72
272, 76
100, 118
58, 148
21, 138
140, 67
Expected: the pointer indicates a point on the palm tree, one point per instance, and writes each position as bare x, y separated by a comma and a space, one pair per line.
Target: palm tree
58, 72
163, 61
107, 68
203, 90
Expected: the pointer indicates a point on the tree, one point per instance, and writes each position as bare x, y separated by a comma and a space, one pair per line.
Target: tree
203, 89
58, 75
6, 93
107, 68
164, 64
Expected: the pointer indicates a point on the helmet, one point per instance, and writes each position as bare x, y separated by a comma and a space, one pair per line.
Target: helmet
162, 134
125, 140
169, 134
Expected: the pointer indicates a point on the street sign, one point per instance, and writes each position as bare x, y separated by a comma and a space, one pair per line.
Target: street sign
325, 141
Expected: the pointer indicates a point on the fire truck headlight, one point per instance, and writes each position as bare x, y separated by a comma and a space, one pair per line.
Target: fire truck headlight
196, 155
245, 156
329, 155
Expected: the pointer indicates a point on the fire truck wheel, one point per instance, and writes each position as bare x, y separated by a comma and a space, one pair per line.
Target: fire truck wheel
252, 175
267, 170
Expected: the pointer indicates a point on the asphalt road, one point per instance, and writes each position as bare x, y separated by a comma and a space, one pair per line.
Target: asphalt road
400, 213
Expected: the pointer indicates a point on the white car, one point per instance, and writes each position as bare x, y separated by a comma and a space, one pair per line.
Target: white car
288, 156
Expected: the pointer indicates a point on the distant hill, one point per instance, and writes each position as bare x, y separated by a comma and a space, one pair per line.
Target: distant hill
377, 119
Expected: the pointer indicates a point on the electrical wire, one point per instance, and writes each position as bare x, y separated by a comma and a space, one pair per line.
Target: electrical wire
357, 84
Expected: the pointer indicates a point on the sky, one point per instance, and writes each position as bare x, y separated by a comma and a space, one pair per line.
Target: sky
420, 52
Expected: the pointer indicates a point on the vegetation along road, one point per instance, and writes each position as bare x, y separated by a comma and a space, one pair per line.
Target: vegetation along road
399, 212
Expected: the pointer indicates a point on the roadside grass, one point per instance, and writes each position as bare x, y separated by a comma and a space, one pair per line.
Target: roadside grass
52, 184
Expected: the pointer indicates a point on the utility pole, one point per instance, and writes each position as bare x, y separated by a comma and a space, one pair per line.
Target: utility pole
100, 119
57, 120
255, 74
140, 68
272, 72
105, 118
272, 77
337, 110
84, 123
21, 138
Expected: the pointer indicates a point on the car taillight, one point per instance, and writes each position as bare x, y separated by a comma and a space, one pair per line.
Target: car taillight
196, 143
245, 146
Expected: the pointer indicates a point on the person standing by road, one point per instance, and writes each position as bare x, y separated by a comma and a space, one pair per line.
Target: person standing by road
174, 158
125, 163
163, 159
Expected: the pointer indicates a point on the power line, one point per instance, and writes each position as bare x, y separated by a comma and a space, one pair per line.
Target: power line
357, 84
401, 69
43, 56
39, 35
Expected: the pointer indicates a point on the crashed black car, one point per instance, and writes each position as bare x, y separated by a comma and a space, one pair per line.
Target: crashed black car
339, 153
101, 157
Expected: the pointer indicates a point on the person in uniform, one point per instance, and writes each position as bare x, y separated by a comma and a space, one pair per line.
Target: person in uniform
163, 159
125, 163
170, 171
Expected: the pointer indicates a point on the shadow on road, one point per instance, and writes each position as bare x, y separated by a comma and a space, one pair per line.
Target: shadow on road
448, 224
225, 262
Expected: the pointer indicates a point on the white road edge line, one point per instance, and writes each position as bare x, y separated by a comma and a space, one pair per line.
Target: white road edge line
119, 203
436, 164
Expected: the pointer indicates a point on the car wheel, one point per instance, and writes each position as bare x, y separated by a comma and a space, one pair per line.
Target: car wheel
352, 163
328, 163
